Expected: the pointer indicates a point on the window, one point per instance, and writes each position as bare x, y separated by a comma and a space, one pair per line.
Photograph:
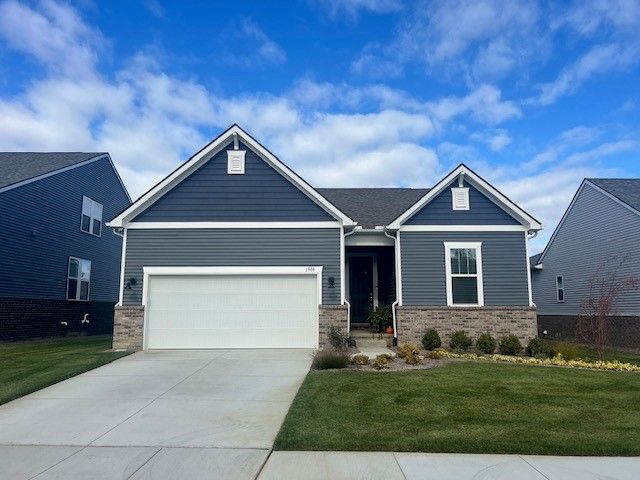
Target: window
463, 265
460, 198
91, 221
235, 162
78, 279
560, 289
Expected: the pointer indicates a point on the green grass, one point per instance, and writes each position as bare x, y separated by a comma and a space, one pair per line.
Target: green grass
589, 353
31, 365
467, 407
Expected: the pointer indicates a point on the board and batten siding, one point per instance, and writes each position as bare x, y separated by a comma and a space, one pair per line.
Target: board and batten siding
482, 210
41, 229
233, 247
503, 263
211, 194
599, 236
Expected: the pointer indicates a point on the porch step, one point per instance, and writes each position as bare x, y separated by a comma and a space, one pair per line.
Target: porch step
372, 347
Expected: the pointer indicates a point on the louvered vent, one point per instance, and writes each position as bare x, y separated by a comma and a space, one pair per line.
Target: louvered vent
235, 162
460, 197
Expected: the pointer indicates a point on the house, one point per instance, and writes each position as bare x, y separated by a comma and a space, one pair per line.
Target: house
594, 246
59, 264
234, 250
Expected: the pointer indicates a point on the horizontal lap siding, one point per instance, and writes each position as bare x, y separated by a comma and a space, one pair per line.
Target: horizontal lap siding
210, 194
233, 247
503, 263
598, 237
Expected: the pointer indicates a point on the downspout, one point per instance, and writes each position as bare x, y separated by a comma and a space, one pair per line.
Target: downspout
394, 304
344, 266
530, 235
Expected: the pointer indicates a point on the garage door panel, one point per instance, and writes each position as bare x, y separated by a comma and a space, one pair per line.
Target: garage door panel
232, 311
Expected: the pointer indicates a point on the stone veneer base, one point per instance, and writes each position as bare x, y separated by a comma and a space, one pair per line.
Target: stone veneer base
414, 321
128, 323
336, 315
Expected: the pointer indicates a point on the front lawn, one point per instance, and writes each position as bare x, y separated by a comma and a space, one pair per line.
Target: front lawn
31, 365
467, 407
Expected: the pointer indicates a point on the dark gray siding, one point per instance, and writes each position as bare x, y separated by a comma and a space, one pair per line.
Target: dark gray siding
234, 247
482, 211
41, 229
503, 263
598, 237
210, 194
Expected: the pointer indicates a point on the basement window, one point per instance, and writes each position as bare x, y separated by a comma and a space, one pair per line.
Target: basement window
235, 162
78, 279
460, 198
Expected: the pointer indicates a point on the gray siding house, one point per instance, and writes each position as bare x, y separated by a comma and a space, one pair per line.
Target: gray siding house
234, 250
58, 261
595, 244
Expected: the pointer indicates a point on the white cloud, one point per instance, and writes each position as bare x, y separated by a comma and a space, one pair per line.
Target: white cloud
587, 17
155, 7
352, 8
247, 45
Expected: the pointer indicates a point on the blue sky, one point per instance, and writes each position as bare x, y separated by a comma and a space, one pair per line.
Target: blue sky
533, 96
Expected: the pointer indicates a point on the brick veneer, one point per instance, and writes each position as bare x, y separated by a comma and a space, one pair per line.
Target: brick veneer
128, 322
332, 315
413, 321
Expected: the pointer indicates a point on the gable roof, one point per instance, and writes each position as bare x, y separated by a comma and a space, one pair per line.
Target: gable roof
485, 187
203, 155
626, 190
533, 259
372, 207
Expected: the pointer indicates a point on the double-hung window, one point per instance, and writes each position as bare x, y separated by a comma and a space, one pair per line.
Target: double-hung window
91, 221
560, 289
78, 279
463, 266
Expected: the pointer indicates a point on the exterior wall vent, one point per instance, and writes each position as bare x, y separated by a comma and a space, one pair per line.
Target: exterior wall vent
460, 198
235, 162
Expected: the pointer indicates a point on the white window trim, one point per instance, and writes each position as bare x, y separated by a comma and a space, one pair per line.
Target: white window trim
564, 296
78, 286
448, 246
91, 218
453, 198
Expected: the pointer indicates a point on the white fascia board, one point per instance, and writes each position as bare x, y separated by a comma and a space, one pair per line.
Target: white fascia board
369, 238
204, 155
305, 270
463, 228
530, 222
204, 225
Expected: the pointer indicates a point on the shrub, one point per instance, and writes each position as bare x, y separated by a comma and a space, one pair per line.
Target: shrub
569, 351
337, 339
408, 349
386, 356
330, 359
540, 348
437, 354
381, 317
486, 343
360, 359
413, 360
510, 345
431, 339
460, 340
381, 362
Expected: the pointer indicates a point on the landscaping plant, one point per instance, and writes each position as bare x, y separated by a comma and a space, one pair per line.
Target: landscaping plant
407, 349
327, 359
540, 348
568, 350
337, 339
486, 343
510, 345
381, 317
360, 359
381, 362
431, 339
460, 340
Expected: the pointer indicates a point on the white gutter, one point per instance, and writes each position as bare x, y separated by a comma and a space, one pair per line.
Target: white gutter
394, 304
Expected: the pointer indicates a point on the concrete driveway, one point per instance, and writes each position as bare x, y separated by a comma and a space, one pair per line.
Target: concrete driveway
157, 414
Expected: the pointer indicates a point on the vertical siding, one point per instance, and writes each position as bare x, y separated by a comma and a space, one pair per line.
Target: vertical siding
41, 229
482, 210
598, 237
503, 262
210, 194
233, 247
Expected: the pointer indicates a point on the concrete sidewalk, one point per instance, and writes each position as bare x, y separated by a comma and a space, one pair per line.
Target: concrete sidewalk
444, 466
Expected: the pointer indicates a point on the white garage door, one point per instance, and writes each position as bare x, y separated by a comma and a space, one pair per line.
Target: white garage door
232, 311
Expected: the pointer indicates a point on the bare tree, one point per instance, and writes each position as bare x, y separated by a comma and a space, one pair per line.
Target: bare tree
593, 326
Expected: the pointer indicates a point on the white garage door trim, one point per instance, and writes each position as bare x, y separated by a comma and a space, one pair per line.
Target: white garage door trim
149, 271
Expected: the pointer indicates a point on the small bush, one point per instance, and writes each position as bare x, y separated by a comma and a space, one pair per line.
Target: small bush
437, 354
413, 360
381, 362
408, 349
337, 339
486, 343
460, 340
569, 351
540, 348
360, 359
431, 339
381, 317
510, 345
327, 359
386, 356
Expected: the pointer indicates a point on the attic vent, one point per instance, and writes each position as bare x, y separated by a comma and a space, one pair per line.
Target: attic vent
235, 162
460, 196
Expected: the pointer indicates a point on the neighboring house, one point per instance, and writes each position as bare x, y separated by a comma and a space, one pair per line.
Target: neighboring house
233, 249
596, 244
58, 261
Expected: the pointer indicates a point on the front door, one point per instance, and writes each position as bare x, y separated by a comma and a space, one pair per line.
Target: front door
360, 288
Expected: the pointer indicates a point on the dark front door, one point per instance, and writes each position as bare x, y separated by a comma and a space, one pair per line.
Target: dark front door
360, 288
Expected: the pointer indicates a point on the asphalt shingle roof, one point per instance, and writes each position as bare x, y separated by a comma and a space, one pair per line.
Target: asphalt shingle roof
19, 166
533, 259
371, 207
626, 190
